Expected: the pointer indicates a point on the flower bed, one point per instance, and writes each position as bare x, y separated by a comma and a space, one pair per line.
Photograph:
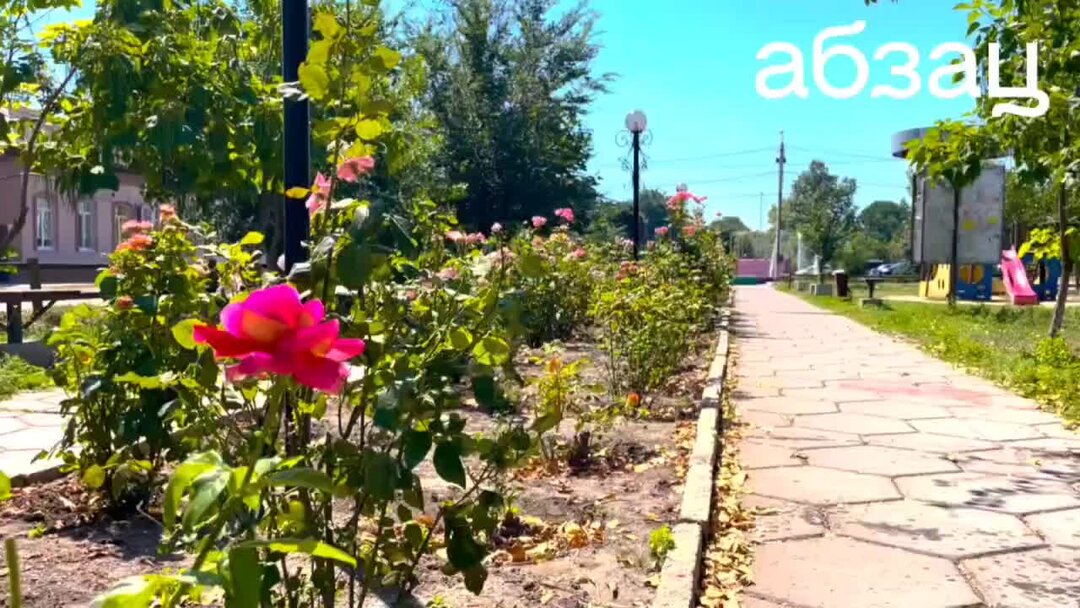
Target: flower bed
576, 535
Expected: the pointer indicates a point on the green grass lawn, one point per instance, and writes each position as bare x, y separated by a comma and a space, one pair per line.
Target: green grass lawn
1005, 344
883, 290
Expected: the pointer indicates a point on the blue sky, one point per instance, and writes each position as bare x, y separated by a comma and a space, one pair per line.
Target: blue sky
691, 66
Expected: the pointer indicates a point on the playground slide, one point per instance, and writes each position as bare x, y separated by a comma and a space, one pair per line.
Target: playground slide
1014, 276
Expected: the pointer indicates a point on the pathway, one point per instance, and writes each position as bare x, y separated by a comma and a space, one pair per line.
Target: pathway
29, 423
884, 477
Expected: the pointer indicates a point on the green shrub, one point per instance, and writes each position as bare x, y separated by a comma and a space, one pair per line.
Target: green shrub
129, 379
16, 375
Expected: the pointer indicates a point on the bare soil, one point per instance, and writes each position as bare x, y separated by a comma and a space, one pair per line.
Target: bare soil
69, 550
580, 538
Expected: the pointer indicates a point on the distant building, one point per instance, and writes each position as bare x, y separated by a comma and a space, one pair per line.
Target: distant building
71, 238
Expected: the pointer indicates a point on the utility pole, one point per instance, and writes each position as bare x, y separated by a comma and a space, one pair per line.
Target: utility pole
781, 159
761, 211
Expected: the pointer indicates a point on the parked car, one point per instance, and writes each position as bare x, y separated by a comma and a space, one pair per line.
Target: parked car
897, 269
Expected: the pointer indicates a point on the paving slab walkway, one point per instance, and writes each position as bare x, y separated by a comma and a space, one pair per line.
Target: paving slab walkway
886, 478
29, 423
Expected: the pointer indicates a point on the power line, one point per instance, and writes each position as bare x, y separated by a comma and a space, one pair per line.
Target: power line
844, 153
730, 154
712, 156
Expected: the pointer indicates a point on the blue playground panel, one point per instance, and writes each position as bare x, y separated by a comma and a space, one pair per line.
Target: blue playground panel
1046, 290
980, 291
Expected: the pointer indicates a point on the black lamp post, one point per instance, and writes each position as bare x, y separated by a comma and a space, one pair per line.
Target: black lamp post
295, 19
636, 123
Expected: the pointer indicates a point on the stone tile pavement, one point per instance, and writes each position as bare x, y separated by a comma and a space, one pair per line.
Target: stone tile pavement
29, 423
884, 477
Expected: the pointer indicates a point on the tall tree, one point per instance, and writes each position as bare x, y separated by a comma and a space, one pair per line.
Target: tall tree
30, 99
822, 208
885, 220
1045, 148
510, 83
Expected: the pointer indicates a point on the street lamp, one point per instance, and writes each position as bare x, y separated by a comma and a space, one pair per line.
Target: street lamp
295, 19
636, 123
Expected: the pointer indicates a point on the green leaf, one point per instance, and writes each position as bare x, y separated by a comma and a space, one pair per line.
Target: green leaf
245, 573
369, 129
386, 58
134, 592
184, 333
208, 488
448, 463
147, 304
252, 238
462, 550
475, 578
297, 192
181, 478
414, 534
94, 477
314, 80
415, 446
492, 351
487, 392
147, 382
107, 286
5, 487
546, 422
308, 546
460, 338
379, 475
327, 24
354, 265
302, 477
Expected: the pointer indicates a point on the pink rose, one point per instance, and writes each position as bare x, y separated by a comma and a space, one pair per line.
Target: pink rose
352, 169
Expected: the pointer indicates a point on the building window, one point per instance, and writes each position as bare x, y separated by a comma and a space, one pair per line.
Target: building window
122, 212
44, 224
85, 240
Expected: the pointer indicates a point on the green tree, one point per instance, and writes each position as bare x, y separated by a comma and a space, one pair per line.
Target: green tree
822, 209
30, 98
952, 152
510, 83
885, 220
1044, 148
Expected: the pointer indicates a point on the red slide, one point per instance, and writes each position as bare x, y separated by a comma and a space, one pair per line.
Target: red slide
1014, 275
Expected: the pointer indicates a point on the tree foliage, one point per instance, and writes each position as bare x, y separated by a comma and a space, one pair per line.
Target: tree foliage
510, 83
822, 209
885, 220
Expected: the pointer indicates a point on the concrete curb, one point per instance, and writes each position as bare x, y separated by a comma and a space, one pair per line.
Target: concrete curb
45, 475
679, 577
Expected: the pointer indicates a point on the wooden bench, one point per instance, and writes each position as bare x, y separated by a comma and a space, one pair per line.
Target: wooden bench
42, 300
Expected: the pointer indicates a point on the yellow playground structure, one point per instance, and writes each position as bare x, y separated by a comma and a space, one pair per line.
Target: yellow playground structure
974, 282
